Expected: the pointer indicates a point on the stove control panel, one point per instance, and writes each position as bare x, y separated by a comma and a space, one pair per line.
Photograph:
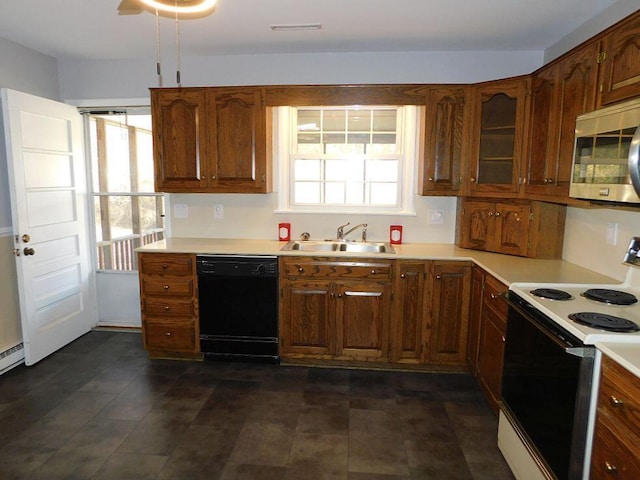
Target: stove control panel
632, 256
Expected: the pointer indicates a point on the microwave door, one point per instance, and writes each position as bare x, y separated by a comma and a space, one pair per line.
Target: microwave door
634, 161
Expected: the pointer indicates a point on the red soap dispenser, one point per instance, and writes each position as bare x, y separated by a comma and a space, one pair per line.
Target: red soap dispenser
284, 232
395, 234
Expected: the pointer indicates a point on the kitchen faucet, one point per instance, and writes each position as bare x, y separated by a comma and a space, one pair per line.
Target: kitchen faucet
341, 234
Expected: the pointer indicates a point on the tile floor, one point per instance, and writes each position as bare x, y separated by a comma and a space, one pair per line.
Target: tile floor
100, 409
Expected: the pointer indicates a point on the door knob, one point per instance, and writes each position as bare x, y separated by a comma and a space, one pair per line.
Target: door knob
29, 251
26, 238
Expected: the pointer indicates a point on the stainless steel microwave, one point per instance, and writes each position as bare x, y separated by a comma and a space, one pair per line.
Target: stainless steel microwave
606, 163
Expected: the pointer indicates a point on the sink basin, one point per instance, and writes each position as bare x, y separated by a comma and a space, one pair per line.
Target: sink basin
337, 246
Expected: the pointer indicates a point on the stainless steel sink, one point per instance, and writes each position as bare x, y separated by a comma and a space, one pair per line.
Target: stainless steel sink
337, 246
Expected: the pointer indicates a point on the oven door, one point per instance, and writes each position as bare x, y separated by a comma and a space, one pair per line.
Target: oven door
546, 389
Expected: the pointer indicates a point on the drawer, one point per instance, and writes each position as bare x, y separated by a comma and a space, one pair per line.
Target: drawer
160, 264
331, 268
178, 337
158, 307
167, 286
492, 289
611, 458
619, 396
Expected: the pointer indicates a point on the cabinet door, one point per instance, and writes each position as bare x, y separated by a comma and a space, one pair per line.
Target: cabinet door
578, 79
542, 165
362, 320
620, 68
476, 221
307, 319
179, 140
499, 122
239, 141
475, 315
511, 234
490, 358
440, 170
449, 312
408, 317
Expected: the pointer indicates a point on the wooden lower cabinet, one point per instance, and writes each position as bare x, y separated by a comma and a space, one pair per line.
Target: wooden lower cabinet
408, 333
487, 349
335, 308
168, 299
616, 444
449, 286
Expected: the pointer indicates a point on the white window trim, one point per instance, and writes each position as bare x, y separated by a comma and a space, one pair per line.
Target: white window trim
411, 149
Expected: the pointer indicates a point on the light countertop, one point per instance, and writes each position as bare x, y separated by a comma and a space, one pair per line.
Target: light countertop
506, 268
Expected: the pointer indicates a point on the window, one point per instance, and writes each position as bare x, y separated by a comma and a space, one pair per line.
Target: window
127, 212
347, 159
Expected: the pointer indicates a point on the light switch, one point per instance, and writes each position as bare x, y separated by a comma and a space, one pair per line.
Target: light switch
218, 211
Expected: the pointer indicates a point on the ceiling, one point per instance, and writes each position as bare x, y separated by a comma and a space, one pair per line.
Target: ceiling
92, 29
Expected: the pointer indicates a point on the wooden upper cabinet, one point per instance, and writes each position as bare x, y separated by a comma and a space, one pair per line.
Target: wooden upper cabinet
443, 151
241, 161
179, 139
499, 121
620, 62
542, 161
559, 93
211, 140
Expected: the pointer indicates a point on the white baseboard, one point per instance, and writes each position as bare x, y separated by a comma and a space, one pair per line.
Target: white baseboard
11, 357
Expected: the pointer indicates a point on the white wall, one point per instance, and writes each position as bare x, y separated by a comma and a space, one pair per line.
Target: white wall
86, 79
597, 24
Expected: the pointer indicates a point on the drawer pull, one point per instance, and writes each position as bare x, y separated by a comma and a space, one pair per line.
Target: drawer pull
610, 467
373, 272
165, 266
300, 270
615, 401
402, 276
168, 334
438, 277
167, 308
166, 287
493, 296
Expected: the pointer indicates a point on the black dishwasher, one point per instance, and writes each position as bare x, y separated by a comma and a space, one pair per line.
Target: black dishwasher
238, 302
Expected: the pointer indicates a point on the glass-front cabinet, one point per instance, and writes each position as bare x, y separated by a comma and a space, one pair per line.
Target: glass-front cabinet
499, 121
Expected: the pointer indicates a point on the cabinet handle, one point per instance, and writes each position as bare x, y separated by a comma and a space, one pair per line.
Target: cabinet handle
168, 334
472, 180
373, 272
300, 270
339, 295
333, 295
438, 277
165, 266
213, 177
431, 179
615, 401
610, 467
167, 308
166, 287
503, 339
490, 214
493, 296
402, 275
497, 214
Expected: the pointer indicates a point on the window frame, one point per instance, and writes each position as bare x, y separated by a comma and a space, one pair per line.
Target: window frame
409, 146
117, 255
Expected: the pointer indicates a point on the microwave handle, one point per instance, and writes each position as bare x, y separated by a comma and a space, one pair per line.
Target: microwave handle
634, 161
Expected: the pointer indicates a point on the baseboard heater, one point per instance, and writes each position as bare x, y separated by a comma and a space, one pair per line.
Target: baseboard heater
11, 357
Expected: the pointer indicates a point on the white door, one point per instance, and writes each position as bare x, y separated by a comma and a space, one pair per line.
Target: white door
45, 157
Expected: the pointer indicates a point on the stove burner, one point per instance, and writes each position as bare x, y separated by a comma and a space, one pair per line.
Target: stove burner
604, 322
612, 297
551, 294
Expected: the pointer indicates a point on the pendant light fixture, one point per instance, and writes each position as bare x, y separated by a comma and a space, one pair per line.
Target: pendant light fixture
186, 8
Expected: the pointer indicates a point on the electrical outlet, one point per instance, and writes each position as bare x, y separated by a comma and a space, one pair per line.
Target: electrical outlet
436, 217
218, 211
